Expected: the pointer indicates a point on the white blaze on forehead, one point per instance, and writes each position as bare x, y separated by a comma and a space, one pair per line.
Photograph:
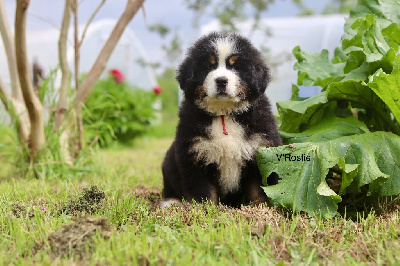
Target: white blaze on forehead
225, 47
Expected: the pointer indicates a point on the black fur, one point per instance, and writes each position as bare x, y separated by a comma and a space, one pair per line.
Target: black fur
184, 177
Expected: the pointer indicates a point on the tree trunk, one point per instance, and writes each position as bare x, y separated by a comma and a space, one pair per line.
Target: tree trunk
9, 49
35, 109
77, 42
18, 110
62, 105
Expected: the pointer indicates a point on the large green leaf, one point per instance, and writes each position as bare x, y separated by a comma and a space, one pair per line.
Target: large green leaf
392, 32
375, 46
366, 36
328, 129
372, 40
293, 114
316, 69
387, 10
361, 96
296, 116
387, 87
357, 74
353, 91
369, 159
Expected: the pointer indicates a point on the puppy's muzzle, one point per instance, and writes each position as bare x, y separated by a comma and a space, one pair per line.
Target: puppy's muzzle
221, 83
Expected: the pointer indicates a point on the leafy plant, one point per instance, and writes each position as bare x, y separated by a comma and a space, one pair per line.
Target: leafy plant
349, 131
50, 163
115, 111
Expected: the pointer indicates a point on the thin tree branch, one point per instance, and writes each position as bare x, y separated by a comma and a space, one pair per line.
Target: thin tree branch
90, 20
8, 41
47, 21
101, 62
32, 102
62, 104
76, 43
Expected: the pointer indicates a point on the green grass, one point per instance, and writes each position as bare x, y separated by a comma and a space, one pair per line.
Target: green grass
192, 234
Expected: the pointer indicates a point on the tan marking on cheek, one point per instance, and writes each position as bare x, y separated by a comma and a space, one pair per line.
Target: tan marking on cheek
212, 59
233, 59
200, 92
243, 92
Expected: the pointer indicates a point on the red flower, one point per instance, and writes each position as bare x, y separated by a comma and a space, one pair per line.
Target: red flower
157, 90
117, 75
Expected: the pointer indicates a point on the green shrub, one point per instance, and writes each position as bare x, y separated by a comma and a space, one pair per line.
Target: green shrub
116, 111
169, 95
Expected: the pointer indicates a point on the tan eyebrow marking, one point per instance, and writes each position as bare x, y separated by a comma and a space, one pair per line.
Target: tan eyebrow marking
212, 60
233, 59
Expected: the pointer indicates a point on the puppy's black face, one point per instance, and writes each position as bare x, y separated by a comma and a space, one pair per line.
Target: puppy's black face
223, 74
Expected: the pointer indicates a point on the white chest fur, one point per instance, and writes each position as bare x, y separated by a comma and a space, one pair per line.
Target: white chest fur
228, 152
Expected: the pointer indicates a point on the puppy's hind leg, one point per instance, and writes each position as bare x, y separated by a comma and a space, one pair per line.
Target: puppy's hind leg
252, 186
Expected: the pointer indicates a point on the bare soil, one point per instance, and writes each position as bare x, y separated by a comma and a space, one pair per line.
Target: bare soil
77, 237
88, 201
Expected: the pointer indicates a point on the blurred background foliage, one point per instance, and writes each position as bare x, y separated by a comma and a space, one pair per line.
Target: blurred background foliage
115, 111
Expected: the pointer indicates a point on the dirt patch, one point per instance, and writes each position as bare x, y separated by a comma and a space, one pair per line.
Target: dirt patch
186, 214
88, 201
183, 214
259, 216
23, 210
151, 194
20, 210
77, 237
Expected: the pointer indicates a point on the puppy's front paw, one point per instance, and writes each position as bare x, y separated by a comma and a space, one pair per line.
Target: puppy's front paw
166, 203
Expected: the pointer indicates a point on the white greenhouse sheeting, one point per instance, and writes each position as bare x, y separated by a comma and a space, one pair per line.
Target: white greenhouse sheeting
312, 34
42, 47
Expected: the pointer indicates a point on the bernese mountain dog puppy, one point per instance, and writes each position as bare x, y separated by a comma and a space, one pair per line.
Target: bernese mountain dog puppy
224, 117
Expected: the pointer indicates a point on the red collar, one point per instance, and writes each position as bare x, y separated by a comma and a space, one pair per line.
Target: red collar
223, 125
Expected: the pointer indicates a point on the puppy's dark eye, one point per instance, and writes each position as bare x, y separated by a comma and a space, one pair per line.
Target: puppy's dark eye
233, 59
212, 59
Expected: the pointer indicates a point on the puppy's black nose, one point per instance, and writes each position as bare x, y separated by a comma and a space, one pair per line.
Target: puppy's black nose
221, 82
